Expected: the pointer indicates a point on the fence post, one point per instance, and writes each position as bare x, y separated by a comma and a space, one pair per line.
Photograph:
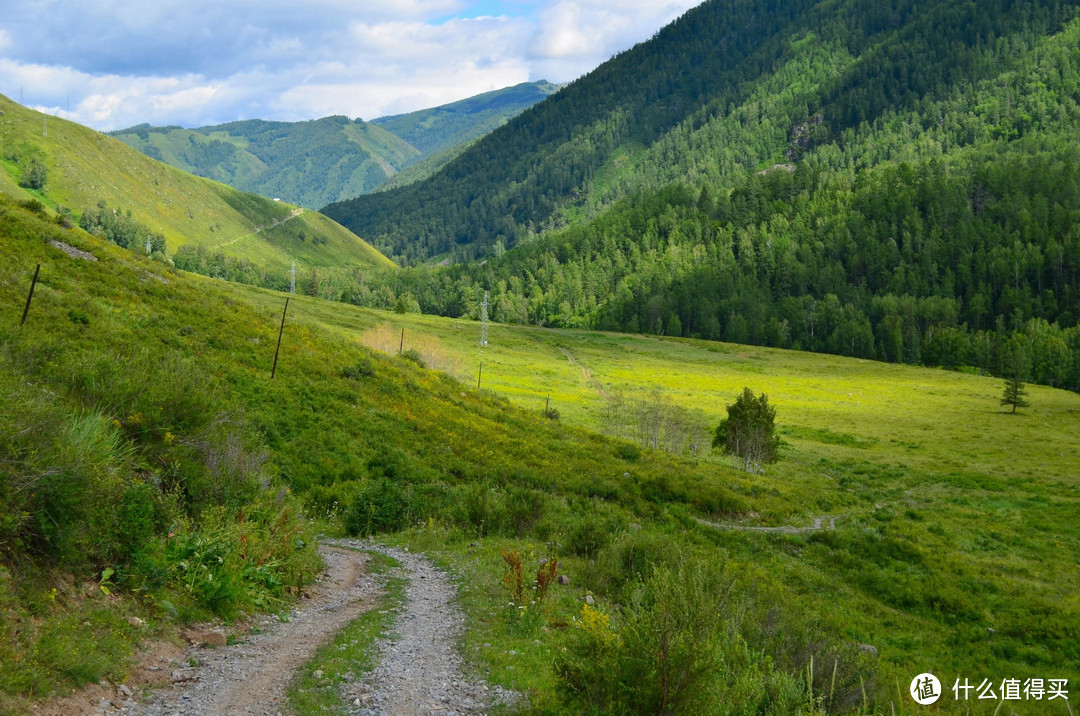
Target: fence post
273, 371
480, 373
30, 295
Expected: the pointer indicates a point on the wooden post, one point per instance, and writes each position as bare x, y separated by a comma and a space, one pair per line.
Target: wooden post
402, 344
273, 371
480, 373
30, 295
547, 404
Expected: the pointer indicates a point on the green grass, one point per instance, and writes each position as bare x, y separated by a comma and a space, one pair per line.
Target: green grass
85, 166
955, 516
351, 653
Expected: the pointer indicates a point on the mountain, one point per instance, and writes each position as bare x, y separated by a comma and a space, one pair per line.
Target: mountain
451, 125
882, 180
320, 161
729, 89
88, 176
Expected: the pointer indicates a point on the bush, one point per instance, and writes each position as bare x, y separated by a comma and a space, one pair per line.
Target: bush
676, 649
415, 356
380, 506
363, 368
749, 433
34, 174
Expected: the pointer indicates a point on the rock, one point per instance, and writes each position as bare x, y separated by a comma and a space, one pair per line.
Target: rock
868, 649
317, 674
589, 600
135, 622
123, 689
564, 580
634, 527
214, 638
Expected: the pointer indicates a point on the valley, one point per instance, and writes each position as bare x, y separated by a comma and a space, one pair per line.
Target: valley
463, 385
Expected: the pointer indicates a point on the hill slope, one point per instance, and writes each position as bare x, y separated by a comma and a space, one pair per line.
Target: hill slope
730, 88
321, 161
893, 183
159, 475
82, 168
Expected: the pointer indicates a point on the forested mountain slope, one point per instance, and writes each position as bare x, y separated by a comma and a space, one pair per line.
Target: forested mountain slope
316, 162
730, 88
894, 181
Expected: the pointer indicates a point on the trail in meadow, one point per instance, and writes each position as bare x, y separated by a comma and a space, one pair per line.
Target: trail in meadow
825, 522
292, 215
420, 670
584, 372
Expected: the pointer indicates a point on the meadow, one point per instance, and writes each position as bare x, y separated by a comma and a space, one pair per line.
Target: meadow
956, 543
954, 547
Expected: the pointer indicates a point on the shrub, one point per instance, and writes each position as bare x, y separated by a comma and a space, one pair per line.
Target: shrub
363, 368
34, 174
415, 356
380, 506
749, 433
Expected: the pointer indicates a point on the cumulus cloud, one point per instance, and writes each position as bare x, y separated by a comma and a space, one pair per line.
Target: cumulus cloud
114, 63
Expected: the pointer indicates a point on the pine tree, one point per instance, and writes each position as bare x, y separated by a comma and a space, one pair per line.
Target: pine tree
1014, 393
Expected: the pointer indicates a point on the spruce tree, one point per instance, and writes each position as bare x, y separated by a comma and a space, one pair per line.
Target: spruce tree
1014, 393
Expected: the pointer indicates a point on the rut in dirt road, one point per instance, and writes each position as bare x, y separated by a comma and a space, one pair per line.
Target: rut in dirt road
419, 669
251, 677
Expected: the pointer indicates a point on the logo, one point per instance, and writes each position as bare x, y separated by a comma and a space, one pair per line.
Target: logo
925, 689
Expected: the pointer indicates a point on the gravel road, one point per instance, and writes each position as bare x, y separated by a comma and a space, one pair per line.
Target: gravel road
419, 670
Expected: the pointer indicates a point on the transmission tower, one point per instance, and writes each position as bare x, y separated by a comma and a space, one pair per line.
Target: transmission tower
484, 320
292, 279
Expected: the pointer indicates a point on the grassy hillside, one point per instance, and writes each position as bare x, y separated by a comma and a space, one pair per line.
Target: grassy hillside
951, 516
84, 167
950, 511
321, 161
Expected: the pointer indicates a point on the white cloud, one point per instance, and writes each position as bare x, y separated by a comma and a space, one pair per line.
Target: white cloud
196, 62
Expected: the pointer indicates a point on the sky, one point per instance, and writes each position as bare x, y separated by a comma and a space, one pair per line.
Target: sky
111, 64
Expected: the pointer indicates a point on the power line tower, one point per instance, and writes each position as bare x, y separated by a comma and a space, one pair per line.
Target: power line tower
484, 321
292, 279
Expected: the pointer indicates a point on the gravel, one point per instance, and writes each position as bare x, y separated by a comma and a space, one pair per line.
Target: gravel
419, 670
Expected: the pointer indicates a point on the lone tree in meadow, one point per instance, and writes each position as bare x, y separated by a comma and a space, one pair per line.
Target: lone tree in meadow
748, 432
1014, 393
1016, 364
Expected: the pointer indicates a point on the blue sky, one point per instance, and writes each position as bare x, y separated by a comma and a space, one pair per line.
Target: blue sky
114, 63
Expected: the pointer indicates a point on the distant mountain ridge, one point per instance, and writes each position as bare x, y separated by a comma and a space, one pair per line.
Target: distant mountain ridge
321, 161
